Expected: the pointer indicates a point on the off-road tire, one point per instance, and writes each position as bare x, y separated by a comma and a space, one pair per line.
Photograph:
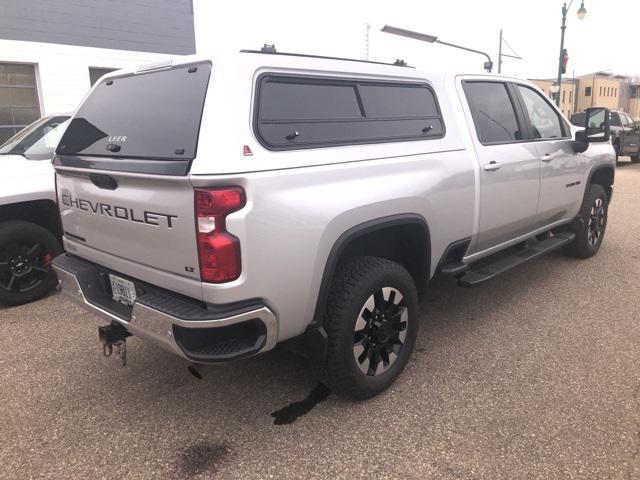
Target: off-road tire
354, 282
583, 245
18, 231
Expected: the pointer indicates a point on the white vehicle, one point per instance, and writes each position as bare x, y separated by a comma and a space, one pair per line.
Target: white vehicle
29, 226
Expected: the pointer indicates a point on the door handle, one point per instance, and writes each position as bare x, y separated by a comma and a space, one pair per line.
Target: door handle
492, 166
547, 157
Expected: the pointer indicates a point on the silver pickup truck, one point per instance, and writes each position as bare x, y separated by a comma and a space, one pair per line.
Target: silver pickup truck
219, 207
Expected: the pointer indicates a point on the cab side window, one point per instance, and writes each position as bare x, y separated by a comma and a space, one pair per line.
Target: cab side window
544, 119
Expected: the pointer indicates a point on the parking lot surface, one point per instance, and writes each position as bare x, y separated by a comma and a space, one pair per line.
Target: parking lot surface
535, 374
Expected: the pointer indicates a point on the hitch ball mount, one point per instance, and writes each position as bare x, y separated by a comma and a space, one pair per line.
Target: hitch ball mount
114, 335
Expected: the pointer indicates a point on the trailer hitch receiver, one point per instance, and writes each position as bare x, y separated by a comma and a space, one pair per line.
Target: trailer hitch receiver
114, 335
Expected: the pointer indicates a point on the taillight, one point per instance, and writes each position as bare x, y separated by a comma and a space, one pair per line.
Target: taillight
218, 250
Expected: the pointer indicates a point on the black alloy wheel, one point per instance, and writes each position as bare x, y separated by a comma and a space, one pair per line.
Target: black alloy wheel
596, 221
26, 253
380, 331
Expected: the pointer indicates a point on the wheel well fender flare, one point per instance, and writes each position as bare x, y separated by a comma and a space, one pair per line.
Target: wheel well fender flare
353, 234
610, 170
43, 212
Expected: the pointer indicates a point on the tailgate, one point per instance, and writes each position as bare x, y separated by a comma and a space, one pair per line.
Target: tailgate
147, 220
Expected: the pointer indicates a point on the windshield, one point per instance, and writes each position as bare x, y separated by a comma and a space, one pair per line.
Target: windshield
38, 140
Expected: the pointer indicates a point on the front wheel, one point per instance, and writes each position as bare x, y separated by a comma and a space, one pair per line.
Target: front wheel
26, 252
371, 326
591, 224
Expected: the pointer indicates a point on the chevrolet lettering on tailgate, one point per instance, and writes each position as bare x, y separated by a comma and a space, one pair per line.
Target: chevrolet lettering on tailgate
116, 211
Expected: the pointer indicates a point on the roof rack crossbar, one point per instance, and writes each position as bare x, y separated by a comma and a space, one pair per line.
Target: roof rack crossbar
270, 49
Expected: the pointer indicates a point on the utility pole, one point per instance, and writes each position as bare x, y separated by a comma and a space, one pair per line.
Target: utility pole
575, 91
367, 27
581, 13
562, 28
500, 53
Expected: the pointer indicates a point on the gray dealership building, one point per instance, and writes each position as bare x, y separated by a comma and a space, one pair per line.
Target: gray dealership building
52, 51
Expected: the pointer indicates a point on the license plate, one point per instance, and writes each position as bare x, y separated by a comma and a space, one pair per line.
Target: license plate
123, 291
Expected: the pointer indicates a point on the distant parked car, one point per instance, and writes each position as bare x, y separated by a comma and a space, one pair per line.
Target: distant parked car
625, 134
29, 227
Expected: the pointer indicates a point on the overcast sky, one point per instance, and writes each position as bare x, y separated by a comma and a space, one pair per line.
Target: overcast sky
605, 39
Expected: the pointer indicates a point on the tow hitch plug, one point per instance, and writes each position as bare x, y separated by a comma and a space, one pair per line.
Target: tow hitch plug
114, 335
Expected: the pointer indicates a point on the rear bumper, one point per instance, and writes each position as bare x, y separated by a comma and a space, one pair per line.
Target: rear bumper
190, 329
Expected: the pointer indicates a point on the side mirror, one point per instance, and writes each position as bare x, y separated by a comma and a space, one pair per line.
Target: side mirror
597, 125
596, 129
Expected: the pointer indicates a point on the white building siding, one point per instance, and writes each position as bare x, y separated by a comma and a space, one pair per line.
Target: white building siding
63, 70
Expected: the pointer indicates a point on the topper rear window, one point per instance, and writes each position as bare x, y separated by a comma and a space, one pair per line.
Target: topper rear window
151, 115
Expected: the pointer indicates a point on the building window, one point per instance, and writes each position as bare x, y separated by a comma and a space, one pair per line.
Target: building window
587, 91
570, 96
634, 91
564, 93
19, 104
96, 73
600, 90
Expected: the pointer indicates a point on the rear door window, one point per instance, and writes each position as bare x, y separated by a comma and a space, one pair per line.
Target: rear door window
149, 115
493, 112
305, 112
615, 119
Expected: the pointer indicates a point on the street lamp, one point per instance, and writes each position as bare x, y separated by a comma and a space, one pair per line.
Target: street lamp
423, 37
581, 14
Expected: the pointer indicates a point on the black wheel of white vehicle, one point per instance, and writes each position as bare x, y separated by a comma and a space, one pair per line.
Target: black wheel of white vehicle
26, 252
371, 326
591, 225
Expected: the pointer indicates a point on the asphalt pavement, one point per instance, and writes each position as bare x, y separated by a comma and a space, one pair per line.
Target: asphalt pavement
535, 374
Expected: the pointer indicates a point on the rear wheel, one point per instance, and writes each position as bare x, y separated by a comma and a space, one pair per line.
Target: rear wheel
26, 252
635, 158
371, 326
591, 224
